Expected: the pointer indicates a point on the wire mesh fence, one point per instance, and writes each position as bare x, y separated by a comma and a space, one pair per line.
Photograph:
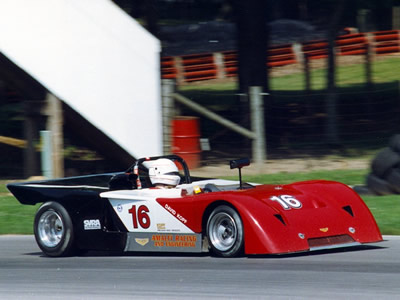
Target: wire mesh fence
297, 122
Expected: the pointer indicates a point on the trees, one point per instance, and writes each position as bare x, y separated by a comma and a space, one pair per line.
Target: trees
252, 42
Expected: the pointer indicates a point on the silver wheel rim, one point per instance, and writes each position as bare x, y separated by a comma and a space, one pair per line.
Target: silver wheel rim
222, 231
50, 228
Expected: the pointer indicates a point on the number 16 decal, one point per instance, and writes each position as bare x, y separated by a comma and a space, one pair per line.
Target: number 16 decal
287, 201
140, 216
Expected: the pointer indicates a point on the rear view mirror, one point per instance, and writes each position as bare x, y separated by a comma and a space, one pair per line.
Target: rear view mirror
239, 163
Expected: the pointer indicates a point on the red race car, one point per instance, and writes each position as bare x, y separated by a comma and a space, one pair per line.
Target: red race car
153, 207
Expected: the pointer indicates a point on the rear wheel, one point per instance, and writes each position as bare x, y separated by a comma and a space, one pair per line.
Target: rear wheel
225, 232
53, 230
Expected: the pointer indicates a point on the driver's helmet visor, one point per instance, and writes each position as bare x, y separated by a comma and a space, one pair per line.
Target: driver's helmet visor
172, 173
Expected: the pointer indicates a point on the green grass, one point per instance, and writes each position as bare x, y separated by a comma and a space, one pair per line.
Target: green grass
14, 217
296, 119
18, 219
386, 209
383, 71
350, 78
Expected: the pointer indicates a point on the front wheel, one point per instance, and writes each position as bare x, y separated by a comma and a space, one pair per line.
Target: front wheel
53, 230
225, 232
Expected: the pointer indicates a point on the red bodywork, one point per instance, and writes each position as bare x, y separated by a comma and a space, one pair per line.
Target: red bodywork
331, 214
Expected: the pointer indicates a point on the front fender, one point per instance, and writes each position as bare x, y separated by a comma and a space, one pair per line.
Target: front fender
328, 210
265, 231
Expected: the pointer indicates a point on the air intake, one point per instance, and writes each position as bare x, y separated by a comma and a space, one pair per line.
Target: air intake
349, 210
330, 240
280, 218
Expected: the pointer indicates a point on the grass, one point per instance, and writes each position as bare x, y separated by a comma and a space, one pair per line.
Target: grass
18, 219
14, 217
350, 79
296, 120
385, 209
384, 70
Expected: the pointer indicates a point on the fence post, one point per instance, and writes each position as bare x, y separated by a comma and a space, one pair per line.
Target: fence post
54, 124
257, 125
364, 22
168, 88
178, 64
307, 74
219, 63
46, 153
396, 17
298, 52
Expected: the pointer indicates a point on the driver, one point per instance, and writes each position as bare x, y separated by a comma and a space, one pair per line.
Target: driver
164, 174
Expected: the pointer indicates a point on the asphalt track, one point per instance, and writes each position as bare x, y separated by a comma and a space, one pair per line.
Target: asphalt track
368, 272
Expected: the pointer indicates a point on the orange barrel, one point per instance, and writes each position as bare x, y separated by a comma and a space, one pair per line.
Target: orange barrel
186, 140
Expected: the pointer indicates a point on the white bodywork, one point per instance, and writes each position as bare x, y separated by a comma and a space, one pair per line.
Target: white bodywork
160, 219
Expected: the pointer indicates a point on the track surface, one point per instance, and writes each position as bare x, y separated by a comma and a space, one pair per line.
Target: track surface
369, 272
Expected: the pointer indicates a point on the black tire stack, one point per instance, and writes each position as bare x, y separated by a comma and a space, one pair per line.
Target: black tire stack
385, 176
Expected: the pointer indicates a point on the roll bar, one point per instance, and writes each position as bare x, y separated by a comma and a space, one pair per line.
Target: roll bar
172, 157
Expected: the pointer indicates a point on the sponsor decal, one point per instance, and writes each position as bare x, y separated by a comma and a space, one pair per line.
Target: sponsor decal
174, 213
169, 240
140, 216
161, 227
287, 201
197, 190
91, 224
142, 242
325, 229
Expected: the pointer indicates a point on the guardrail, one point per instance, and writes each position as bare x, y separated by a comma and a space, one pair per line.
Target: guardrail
196, 67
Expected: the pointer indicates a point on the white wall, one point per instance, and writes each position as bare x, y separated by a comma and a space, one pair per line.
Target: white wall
94, 57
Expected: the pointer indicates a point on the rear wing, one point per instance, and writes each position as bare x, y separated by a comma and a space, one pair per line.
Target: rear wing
33, 192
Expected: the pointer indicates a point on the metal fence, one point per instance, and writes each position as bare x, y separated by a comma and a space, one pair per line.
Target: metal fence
295, 122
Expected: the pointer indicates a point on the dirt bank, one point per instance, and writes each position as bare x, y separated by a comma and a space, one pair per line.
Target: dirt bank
285, 166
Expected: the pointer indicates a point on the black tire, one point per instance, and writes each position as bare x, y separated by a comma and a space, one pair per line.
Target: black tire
54, 232
394, 143
393, 179
362, 190
230, 241
378, 185
384, 161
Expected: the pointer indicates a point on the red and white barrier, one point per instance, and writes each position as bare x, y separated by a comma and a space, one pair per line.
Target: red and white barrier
196, 67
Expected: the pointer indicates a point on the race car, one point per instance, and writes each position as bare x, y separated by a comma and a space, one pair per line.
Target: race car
126, 212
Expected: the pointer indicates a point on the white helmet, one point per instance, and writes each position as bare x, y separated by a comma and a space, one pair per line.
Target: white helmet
163, 171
